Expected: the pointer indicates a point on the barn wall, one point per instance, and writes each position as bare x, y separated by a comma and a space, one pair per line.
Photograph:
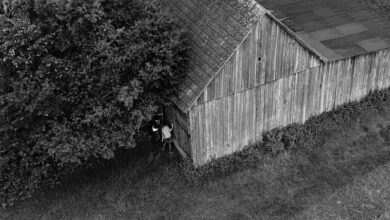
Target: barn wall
224, 125
267, 54
180, 122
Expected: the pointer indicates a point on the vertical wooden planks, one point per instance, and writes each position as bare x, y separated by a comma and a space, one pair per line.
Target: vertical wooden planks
310, 95
355, 81
225, 125
214, 129
253, 58
199, 133
226, 128
217, 87
305, 110
339, 85
252, 120
231, 123
323, 77
194, 138
204, 135
325, 86
269, 108
385, 66
242, 119
230, 68
235, 128
265, 102
275, 103
276, 51
262, 51
259, 103
269, 51
332, 76
280, 55
278, 104
211, 125
289, 111
294, 100
237, 78
220, 126
223, 73
319, 86
210, 91
377, 64
200, 143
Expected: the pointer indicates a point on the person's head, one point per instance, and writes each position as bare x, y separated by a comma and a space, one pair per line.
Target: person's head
157, 121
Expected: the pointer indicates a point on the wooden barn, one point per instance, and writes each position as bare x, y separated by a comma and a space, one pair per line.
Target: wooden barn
255, 66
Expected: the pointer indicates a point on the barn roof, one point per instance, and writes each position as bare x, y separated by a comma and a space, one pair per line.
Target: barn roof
335, 28
216, 28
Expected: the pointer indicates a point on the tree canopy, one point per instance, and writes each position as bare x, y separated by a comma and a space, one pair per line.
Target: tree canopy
77, 79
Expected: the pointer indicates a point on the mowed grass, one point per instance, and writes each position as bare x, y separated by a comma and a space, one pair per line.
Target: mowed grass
343, 175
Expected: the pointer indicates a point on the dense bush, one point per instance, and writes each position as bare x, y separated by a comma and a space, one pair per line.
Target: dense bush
294, 137
77, 79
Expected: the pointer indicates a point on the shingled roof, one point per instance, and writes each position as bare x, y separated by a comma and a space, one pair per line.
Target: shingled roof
335, 28
216, 28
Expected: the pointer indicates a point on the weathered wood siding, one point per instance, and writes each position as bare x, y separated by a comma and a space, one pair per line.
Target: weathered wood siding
181, 126
224, 125
267, 54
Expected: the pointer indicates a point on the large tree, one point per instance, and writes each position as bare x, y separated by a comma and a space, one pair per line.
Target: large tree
77, 79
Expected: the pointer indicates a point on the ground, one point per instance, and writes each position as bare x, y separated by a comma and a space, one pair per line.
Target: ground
344, 175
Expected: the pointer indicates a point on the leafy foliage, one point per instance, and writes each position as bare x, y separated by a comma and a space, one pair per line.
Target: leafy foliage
77, 80
294, 137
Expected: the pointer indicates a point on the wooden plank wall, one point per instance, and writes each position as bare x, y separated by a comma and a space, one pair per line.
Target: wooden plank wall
223, 126
180, 123
267, 54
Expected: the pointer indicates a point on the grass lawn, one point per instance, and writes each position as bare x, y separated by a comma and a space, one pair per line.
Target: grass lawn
344, 175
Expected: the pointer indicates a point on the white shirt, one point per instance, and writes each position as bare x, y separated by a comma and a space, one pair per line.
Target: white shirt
166, 132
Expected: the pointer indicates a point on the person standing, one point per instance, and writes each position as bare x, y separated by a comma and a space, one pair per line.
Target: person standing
156, 129
166, 135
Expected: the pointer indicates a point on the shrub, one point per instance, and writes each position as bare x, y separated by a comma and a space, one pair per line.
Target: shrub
290, 138
78, 79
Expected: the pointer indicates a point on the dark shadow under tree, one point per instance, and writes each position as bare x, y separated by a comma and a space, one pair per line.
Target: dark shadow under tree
78, 80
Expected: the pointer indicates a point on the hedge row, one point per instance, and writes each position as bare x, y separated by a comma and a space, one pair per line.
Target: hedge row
290, 138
